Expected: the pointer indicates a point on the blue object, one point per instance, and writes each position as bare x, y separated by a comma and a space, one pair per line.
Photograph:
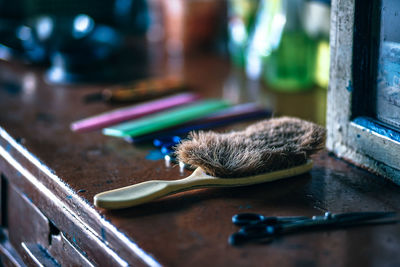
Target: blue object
256, 227
166, 140
167, 150
166, 145
154, 155
377, 127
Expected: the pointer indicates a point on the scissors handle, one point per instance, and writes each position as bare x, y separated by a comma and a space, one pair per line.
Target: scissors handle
362, 216
243, 219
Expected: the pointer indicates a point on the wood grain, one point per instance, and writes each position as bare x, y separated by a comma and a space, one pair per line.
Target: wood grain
60, 172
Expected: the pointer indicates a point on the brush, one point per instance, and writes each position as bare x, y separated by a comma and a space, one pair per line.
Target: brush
266, 151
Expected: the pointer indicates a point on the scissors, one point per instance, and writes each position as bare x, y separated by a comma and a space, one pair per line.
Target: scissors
244, 219
256, 227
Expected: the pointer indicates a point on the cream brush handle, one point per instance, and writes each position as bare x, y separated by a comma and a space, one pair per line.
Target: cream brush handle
147, 191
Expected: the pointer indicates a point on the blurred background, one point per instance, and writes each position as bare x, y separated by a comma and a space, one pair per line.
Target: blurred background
277, 50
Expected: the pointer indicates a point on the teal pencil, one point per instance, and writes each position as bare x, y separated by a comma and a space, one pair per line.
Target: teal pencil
165, 119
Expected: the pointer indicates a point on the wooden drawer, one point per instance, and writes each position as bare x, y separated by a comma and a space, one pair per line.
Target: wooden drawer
35, 239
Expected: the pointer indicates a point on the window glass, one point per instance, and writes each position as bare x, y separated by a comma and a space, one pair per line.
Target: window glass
388, 82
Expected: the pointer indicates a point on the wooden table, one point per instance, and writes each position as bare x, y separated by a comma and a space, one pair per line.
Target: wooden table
49, 176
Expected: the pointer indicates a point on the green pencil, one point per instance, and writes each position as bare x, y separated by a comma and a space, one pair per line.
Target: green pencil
166, 119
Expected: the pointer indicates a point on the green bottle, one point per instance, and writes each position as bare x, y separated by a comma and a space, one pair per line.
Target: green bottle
285, 51
291, 66
317, 25
242, 15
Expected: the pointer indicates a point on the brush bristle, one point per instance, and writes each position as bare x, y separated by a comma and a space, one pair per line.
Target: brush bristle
266, 146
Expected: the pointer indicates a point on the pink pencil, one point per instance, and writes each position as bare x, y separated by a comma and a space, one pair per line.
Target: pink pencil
132, 112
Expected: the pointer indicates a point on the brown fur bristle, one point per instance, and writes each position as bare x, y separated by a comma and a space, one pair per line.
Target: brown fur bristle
268, 145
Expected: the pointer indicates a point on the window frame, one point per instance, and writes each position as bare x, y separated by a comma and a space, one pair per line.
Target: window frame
353, 132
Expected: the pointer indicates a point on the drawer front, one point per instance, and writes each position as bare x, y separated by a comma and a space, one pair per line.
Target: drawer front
35, 239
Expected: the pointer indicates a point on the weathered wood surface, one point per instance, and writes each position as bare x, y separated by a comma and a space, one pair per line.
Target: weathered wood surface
59, 172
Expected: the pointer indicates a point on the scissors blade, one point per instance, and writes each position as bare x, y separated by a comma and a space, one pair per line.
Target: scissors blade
330, 221
362, 216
